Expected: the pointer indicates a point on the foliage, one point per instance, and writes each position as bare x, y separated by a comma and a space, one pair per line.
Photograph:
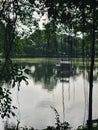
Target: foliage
85, 128
12, 74
42, 44
6, 109
64, 17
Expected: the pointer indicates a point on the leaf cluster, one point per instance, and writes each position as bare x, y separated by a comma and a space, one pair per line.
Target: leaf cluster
6, 109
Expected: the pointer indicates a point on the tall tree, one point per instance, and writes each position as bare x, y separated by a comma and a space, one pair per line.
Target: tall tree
92, 64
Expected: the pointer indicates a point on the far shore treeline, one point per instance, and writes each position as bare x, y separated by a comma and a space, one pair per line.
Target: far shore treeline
41, 44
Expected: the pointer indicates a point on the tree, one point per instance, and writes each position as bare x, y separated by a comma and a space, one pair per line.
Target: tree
92, 64
8, 16
15, 13
2, 28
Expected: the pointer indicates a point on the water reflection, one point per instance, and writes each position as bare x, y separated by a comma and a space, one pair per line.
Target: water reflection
67, 93
44, 73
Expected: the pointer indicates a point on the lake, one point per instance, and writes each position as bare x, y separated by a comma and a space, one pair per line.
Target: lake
46, 89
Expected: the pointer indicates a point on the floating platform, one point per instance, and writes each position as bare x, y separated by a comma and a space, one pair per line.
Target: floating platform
64, 68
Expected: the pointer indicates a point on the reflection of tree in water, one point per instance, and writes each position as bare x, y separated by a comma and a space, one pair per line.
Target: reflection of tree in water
86, 69
44, 73
79, 69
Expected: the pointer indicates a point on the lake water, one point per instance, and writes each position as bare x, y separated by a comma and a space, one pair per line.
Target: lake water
45, 89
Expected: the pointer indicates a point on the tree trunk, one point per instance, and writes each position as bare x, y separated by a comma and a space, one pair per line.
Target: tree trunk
91, 68
9, 37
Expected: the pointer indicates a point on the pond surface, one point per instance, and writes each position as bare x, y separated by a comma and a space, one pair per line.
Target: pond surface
45, 89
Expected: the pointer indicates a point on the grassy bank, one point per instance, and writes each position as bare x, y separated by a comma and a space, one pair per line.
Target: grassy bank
78, 61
